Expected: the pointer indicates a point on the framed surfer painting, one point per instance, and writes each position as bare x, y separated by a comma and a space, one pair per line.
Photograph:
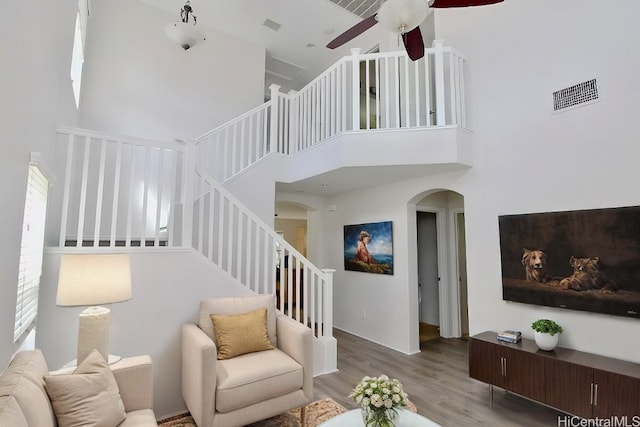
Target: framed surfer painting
369, 247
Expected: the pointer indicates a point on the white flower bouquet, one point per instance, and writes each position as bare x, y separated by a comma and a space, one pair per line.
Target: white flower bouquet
379, 399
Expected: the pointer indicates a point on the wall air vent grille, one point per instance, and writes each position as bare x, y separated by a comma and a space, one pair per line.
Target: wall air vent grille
575, 95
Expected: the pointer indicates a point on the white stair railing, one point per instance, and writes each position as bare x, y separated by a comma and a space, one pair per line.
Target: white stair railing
249, 250
359, 92
130, 192
119, 191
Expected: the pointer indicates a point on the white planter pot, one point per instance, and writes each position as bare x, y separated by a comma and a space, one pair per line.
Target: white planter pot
546, 342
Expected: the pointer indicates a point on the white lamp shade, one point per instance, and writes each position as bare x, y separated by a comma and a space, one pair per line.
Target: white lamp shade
185, 34
402, 15
94, 279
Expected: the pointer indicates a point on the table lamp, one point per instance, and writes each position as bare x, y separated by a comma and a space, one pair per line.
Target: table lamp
91, 280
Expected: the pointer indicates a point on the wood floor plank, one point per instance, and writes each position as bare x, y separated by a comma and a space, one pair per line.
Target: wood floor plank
437, 381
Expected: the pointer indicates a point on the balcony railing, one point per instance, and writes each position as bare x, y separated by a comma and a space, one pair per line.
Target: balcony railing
359, 92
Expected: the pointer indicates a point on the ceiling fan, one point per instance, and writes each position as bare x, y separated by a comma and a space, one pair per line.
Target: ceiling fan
404, 17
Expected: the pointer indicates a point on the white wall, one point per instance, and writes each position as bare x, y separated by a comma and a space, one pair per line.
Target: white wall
526, 159
167, 290
314, 206
138, 82
373, 306
36, 40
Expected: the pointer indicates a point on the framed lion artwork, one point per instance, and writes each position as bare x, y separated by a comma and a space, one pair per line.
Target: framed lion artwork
582, 260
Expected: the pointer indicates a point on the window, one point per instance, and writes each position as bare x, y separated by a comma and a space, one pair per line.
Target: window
30, 269
77, 60
77, 57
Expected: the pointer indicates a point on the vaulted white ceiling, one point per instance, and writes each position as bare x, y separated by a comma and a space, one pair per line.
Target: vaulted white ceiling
293, 32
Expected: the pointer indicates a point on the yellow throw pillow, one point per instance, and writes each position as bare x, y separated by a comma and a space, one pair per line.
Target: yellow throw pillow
87, 397
242, 333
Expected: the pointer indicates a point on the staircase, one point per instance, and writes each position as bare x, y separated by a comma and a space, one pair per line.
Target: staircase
124, 193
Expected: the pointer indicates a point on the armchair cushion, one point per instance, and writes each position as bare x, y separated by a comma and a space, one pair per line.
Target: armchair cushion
235, 305
255, 377
242, 333
89, 395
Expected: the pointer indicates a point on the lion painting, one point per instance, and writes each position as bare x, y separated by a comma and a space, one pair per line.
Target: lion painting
535, 265
587, 275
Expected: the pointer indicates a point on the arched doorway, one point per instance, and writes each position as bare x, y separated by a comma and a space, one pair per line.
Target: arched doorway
440, 263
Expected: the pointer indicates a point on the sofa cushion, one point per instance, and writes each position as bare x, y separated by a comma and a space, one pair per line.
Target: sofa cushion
23, 380
140, 418
236, 305
238, 334
255, 377
87, 397
10, 413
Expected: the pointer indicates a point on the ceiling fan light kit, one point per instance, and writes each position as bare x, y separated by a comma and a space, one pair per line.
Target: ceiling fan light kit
402, 16
184, 33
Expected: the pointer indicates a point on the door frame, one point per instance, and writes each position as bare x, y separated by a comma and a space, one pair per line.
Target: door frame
455, 267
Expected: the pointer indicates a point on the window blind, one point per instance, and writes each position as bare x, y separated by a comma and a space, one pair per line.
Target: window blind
31, 248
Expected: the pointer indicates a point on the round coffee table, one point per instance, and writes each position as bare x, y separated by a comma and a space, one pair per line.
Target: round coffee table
353, 418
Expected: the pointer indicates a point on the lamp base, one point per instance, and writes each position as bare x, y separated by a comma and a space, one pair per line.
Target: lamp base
93, 332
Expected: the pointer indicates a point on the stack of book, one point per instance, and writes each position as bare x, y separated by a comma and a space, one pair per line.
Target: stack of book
510, 336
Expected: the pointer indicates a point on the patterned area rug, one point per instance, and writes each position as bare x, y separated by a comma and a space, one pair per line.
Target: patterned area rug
317, 413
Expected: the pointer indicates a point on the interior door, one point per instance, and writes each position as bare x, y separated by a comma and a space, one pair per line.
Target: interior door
428, 268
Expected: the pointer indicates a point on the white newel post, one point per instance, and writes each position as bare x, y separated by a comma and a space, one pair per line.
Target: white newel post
355, 88
188, 180
438, 65
273, 126
327, 340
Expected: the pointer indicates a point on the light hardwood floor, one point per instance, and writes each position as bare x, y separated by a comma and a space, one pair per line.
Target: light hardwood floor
437, 381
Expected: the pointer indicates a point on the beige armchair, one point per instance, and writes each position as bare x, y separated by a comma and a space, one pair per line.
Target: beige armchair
245, 388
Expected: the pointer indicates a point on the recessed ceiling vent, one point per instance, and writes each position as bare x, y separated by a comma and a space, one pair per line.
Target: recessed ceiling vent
575, 95
362, 8
271, 24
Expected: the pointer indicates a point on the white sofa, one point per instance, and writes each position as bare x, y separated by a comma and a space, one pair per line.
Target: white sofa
24, 401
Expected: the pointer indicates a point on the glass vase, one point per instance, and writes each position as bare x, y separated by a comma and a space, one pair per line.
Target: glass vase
379, 417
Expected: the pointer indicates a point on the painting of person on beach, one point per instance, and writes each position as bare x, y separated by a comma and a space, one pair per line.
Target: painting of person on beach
369, 247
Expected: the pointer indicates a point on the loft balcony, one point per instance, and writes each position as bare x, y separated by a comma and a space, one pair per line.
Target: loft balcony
367, 112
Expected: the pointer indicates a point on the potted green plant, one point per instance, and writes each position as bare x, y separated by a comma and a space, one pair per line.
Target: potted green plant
547, 333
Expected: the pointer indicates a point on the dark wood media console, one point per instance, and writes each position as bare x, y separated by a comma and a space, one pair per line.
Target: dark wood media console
578, 383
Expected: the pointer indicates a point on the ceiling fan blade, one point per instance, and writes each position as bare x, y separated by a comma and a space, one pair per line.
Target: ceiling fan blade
414, 44
353, 32
462, 3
